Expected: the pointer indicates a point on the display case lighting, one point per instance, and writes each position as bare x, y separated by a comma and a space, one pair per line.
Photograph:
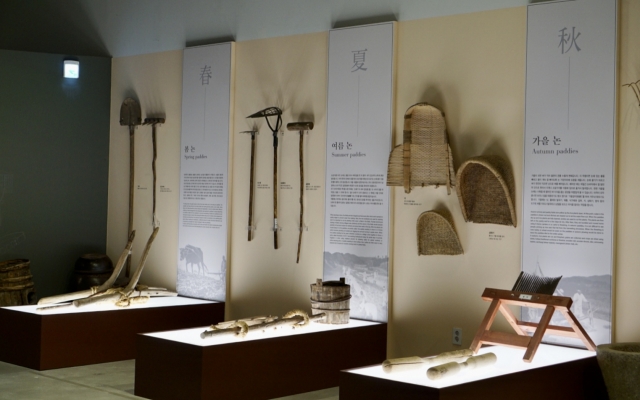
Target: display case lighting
192, 336
509, 361
152, 303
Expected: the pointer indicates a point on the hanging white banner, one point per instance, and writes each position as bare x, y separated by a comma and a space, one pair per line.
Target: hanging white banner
569, 156
206, 95
359, 126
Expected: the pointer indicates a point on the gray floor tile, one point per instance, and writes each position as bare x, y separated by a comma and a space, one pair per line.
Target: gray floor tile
109, 381
326, 394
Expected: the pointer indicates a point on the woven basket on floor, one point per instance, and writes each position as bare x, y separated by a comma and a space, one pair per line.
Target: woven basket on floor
486, 191
424, 157
436, 235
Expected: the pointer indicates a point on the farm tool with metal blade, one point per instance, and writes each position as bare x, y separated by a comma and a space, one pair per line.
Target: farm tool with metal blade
107, 293
301, 127
251, 166
130, 115
266, 113
154, 122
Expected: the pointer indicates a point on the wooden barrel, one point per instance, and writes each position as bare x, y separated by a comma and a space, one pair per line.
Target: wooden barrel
332, 298
16, 283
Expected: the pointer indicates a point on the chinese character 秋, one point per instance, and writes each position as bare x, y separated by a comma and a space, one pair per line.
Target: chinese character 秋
358, 60
570, 39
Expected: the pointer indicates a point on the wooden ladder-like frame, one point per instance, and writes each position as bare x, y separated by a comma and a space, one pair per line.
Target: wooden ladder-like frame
500, 299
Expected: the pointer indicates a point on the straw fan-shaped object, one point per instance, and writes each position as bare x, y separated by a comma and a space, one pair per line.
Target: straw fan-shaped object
486, 191
436, 235
424, 157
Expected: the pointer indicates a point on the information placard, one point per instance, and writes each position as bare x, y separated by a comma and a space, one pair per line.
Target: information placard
206, 95
569, 156
359, 133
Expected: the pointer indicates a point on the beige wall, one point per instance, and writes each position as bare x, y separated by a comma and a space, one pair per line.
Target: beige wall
471, 66
156, 81
627, 273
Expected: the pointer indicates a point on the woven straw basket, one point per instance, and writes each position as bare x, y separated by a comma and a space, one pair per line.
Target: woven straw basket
486, 191
436, 235
424, 157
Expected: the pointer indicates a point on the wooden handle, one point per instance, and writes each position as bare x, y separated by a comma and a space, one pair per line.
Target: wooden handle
251, 166
153, 168
132, 156
275, 191
301, 197
136, 276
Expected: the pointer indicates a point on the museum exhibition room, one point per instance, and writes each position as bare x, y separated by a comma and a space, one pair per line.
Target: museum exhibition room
319, 200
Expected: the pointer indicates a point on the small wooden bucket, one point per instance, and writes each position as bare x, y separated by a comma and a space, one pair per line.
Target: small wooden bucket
16, 283
332, 298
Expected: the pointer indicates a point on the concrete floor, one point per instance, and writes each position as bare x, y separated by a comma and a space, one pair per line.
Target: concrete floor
108, 381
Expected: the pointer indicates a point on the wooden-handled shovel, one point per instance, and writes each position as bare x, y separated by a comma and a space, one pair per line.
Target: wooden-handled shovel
266, 113
301, 127
130, 115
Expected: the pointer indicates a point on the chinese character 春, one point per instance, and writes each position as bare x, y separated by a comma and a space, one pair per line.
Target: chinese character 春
205, 74
568, 39
358, 60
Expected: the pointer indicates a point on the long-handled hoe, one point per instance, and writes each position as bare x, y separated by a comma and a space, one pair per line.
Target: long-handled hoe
266, 113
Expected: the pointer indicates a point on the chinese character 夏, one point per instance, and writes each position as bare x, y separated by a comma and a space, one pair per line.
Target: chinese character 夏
358, 60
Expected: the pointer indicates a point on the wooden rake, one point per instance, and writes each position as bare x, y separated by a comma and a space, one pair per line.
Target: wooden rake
154, 122
300, 127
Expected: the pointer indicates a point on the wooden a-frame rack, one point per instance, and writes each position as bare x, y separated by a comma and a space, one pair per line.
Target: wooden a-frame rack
500, 299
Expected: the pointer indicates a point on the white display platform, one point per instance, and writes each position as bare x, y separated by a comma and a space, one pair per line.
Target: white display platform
556, 372
509, 362
192, 336
70, 336
152, 303
182, 365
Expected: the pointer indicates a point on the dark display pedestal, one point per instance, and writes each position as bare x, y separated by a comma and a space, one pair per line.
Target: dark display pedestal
268, 367
571, 376
58, 340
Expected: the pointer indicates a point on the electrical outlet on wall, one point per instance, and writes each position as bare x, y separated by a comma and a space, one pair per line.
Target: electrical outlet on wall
457, 336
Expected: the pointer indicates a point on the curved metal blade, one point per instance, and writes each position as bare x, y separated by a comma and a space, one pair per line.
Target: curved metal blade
130, 113
267, 112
